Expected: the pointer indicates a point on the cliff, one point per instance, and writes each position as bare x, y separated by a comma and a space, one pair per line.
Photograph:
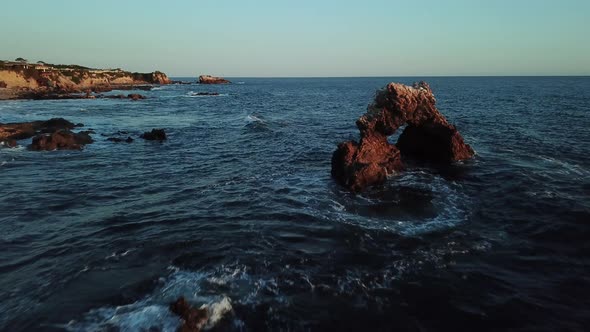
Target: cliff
19, 79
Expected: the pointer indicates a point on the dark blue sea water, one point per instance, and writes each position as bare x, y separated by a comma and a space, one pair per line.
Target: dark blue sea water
237, 211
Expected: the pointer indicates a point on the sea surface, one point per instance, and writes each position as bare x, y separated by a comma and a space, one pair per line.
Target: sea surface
237, 211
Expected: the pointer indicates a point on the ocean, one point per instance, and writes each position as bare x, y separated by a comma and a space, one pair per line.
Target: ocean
237, 211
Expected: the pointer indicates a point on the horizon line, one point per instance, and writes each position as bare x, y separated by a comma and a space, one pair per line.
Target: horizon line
392, 76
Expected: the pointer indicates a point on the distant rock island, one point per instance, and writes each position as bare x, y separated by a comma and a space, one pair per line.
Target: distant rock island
208, 79
20, 79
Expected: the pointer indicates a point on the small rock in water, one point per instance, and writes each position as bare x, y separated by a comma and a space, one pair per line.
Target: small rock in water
193, 319
118, 140
154, 135
135, 96
10, 143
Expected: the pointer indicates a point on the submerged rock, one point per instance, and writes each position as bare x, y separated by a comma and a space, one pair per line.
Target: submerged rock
154, 135
119, 140
135, 96
205, 94
428, 137
132, 96
60, 140
193, 320
208, 79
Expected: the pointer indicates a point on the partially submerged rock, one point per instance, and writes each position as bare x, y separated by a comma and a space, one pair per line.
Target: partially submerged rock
119, 140
23, 130
428, 137
132, 96
9, 143
60, 140
135, 96
204, 94
53, 134
208, 79
193, 320
154, 135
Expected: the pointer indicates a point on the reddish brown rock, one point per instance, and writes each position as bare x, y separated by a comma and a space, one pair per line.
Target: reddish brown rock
193, 319
428, 136
23, 130
9, 143
60, 140
208, 79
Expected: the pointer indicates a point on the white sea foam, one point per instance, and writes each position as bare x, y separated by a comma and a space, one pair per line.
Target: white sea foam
450, 204
152, 313
254, 118
192, 94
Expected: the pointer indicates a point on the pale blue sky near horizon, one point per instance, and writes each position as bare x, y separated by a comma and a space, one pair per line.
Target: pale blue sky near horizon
304, 38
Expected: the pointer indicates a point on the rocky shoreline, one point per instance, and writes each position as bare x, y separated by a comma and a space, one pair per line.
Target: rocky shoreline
23, 80
58, 134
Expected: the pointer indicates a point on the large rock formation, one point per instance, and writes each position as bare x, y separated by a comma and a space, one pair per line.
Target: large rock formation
428, 136
21, 80
208, 79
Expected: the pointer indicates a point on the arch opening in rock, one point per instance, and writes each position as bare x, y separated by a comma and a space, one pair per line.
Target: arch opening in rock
427, 136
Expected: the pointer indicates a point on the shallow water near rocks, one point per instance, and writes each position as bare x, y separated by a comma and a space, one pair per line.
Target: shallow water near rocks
237, 211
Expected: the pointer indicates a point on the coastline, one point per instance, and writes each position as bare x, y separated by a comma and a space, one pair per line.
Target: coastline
22, 80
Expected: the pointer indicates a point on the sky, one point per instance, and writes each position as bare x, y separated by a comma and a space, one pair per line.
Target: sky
304, 38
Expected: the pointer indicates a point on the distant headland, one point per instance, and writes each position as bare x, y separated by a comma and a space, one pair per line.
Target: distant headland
21, 79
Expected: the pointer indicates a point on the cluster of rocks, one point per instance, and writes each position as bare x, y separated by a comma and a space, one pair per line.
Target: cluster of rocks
52, 95
58, 134
428, 136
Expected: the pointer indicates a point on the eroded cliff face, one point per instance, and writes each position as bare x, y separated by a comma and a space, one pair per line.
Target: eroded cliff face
20, 81
428, 136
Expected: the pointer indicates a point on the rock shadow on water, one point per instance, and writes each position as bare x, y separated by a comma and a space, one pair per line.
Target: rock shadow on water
400, 202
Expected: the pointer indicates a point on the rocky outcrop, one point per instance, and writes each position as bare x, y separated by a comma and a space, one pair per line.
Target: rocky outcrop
208, 79
36, 81
159, 78
154, 135
193, 320
53, 134
60, 140
23, 130
428, 136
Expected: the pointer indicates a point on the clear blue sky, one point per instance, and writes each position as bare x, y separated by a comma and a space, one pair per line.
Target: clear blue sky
304, 38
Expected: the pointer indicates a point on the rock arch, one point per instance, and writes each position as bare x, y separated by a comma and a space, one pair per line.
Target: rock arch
427, 136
